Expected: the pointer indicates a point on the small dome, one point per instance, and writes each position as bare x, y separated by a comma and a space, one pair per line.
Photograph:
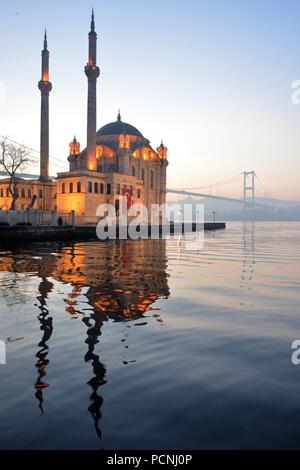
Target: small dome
119, 127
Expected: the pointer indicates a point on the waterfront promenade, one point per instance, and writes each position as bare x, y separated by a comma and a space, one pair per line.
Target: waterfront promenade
81, 232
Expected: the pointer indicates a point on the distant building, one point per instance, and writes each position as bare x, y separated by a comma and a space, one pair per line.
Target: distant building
117, 161
31, 193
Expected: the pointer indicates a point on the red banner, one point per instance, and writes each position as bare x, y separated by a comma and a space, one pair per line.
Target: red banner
126, 192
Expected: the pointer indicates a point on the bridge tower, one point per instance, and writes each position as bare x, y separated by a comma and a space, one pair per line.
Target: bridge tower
249, 187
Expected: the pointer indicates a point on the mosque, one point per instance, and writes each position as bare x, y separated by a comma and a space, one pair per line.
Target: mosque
117, 161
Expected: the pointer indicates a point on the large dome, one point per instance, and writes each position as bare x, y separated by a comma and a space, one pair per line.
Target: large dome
119, 127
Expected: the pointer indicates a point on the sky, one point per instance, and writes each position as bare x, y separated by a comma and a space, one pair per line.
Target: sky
212, 78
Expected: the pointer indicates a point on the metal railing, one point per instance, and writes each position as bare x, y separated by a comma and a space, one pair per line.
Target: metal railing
37, 217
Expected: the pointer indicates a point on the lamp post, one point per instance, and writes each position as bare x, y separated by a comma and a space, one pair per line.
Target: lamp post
214, 216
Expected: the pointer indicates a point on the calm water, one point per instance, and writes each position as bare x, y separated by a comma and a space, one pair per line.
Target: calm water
143, 345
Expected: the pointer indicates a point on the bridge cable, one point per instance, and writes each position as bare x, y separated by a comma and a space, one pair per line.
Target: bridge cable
220, 183
33, 150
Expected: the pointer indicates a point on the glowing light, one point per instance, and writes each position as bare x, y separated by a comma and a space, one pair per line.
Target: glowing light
99, 151
162, 152
74, 147
91, 163
127, 142
121, 141
103, 151
145, 153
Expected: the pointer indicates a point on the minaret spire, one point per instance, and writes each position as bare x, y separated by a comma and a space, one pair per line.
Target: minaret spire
93, 21
45, 87
45, 40
92, 72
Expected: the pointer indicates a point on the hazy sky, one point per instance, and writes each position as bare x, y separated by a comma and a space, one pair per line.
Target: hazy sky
211, 77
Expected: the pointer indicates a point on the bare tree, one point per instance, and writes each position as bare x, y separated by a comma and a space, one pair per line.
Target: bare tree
14, 158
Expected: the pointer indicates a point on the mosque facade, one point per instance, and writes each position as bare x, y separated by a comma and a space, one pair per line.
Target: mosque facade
117, 161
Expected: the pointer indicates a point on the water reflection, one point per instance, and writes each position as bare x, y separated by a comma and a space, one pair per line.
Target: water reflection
118, 281
249, 256
99, 370
46, 322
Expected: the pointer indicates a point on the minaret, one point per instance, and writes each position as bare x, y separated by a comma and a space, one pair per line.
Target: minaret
163, 155
92, 72
45, 86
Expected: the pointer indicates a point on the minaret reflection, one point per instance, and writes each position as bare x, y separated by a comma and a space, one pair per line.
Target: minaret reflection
121, 280
130, 278
46, 327
117, 281
99, 370
26, 261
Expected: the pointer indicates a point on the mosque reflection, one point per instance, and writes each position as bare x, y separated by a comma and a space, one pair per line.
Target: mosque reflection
120, 281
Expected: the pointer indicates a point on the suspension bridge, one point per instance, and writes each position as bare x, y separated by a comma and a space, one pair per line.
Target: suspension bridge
250, 182
250, 185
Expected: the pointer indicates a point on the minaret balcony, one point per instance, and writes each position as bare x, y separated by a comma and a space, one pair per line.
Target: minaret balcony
45, 86
92, 71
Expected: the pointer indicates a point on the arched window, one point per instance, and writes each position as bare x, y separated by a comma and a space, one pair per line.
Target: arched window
70, 187
96, 187
152, 179
7, 192
41, 194
108, 188
118, 188
138, 193
143, 174
127, 142
117, 206
63, 188
23, 192
78, 186
101, 188
133, 171
90, 187
1, 192
29, 193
